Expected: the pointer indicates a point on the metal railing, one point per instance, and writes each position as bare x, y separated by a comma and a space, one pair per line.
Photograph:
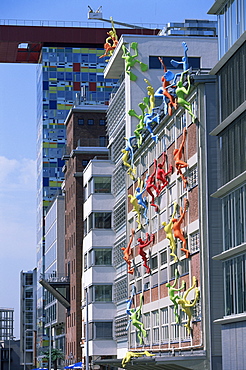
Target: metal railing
90, 24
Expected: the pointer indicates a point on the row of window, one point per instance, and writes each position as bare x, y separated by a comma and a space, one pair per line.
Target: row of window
91, 121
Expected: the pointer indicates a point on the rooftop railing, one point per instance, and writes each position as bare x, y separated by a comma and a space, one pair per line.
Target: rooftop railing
90, 24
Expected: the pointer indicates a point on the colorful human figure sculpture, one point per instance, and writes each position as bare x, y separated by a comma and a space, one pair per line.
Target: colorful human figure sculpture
142, 201
141, 246
168, 98
182, 91
184, 62
151, 116
129, 355
177, 232
187, 305
130, 60
141, 125
135, 319
128, 157
161, 174
130, 300
150, 184
177, 154
109, 47
127, 252
175, 297
168, 228
136, 208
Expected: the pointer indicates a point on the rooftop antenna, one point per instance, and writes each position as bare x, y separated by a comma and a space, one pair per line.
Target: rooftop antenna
98, 16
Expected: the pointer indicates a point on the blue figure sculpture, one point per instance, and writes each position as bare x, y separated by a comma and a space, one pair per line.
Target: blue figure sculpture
151, 115
142, 201
184, 63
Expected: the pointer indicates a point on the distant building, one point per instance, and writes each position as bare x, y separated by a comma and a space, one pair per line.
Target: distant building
28, 300
6, 323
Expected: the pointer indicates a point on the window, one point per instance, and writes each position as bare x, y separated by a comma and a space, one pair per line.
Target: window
90, 121
103, 141
192, 177
155, 326
102, 184
101, 330
235, 292
80, 121
85, 261
163, 255
100, 220
100, 293
174, 328
154, 262
85, 227
194, 242
233, 208
146, 322
101, 256
164, 325
102, 122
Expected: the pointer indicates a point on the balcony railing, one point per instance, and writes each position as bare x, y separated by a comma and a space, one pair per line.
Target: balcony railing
93, 142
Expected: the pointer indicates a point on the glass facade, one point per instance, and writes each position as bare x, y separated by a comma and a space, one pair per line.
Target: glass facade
231, 23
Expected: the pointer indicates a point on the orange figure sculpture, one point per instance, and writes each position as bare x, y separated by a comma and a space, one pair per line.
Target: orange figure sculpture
179, 164
177, 232
109, 47
162, 175
150, 184
165, 83
142, 245
128, 252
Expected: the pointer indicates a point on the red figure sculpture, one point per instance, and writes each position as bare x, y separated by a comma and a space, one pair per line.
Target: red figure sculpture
162, 175
142, 245
179, 164
128, 252
172, 103
177, 232
150, 184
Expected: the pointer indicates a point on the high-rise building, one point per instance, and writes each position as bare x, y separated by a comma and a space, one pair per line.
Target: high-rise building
230, 132
28, 318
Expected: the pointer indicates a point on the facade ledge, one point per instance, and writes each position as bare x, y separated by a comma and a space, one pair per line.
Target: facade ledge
236, 113
216, 6
230, 319
89, 149
230, 253
223, 190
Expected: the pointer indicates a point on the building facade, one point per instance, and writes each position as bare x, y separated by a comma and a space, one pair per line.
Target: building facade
231, 186
28, 301
171, 332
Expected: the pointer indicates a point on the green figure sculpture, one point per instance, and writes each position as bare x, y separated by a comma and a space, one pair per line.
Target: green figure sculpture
129, 355
130, 60
135, 316
169, 234
186, 305
141, 125
175, 297
181, 91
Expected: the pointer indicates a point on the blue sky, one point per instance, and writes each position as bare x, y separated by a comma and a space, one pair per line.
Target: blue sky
18, 122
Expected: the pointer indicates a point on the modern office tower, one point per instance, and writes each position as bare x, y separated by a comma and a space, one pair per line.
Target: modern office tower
6, 323
28, 301
98, 291
169, 281
86, 139
231, 185
54, 280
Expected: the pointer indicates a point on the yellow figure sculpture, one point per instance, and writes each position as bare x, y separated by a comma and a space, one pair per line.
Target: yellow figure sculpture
125, 159
129, 355
169, 234
111, 41
186, 305
136, 208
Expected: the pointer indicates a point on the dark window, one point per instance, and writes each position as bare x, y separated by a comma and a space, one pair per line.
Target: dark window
100, 330
102, 122
90, 121
102, 141
154, 62
84, 163
102, 184
81, 121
